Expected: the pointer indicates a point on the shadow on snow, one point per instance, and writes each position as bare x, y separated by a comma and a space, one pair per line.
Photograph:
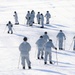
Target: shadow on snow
54, 72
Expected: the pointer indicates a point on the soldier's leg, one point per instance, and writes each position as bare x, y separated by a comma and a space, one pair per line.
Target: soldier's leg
42, 53
38, 21
11, 31
45, 59
23, 61
38, 55
60, 44
50, 58
47, 21
28, 61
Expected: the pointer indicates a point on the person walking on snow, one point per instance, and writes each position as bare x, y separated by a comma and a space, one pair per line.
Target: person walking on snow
16, 18
42, 21
25, 48
48, 16
48, 51
28, 17
40, 44
10, 25
61, 38
45, 37
38, 17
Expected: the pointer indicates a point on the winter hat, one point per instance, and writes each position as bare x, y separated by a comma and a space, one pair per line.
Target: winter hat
9, 22
50, 39
60, 30
45, 32
41, 36
25, 38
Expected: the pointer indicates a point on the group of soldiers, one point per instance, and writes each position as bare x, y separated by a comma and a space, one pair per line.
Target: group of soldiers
40, 18
44, 43
44, 46
30, 16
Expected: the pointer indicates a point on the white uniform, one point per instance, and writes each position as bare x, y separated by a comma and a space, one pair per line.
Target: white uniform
28, 18
48, 16
48, 51
24, 51
61, 36
32, 16
10, 25
40, 44
45, 37
38, 18
42, 20
16, 18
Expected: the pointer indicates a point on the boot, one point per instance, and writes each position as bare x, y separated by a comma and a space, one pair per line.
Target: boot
51, 62
23, 67
8, 32
41, 57
45, 62
29, 67
38, 58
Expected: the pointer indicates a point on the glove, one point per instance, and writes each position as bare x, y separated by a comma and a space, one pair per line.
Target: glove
6, 24
64, 38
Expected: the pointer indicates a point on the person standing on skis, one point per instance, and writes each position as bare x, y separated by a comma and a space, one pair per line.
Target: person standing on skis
40, 45
48, 16
16, 18
25, 48
61, 38
45, 37
28, 17
42, 21
38, 17
10, 25
48, 51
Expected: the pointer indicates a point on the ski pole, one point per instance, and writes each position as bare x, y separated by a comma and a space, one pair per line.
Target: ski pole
4, 30
71, 44
14, 29
56, 57
19, 62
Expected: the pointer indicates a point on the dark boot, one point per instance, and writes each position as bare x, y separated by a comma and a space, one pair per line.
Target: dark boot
38, 58
45, 62
41, 57
51, 62
8, 32
23, 67
29, 67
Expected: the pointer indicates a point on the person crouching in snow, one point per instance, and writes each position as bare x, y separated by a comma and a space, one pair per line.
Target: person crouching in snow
25, 48
48, 51
10, 25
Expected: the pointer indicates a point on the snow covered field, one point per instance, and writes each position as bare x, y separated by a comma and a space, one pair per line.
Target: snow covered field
62, 13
